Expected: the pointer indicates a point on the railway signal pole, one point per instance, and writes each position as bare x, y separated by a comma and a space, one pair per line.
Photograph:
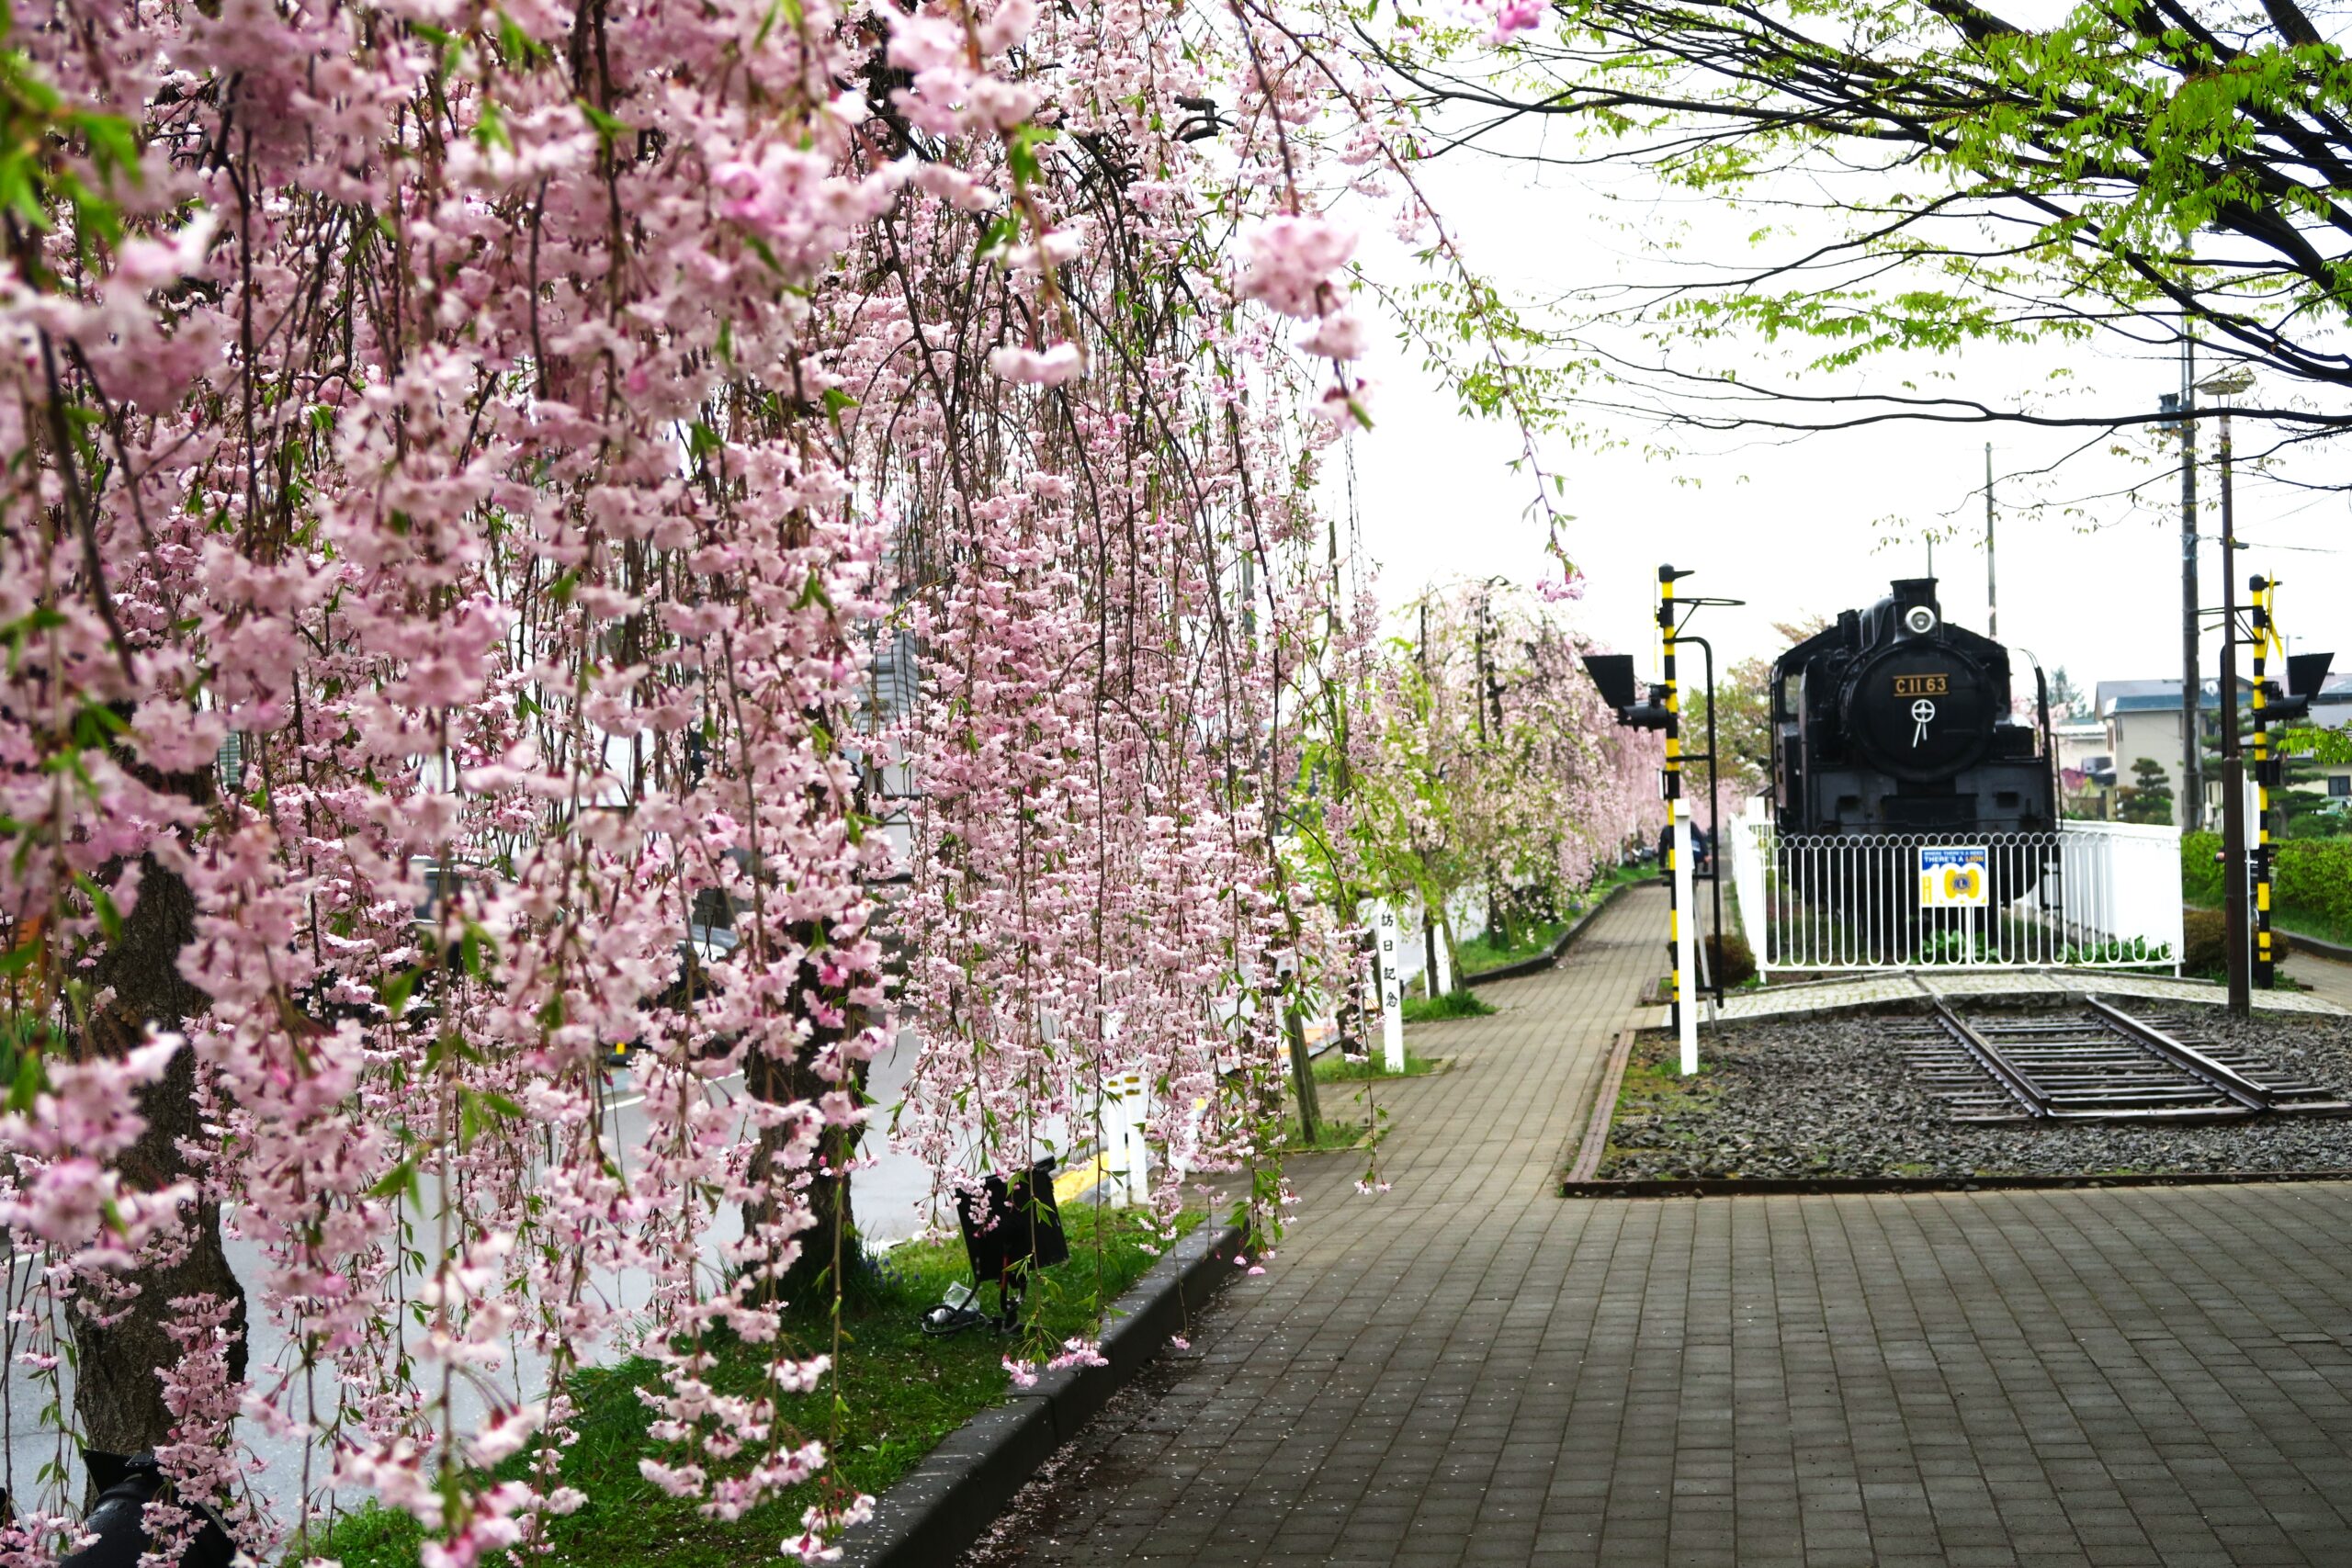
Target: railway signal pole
2266, 969
2306, 672
1679, 918
1613, 674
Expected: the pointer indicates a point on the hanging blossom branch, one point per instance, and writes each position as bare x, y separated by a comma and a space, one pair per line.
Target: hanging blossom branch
470, 456
1498, 771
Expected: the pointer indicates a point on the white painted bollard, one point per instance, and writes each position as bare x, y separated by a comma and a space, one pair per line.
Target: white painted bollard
1445, 963
1126, 1158
1685, 924
1392, 989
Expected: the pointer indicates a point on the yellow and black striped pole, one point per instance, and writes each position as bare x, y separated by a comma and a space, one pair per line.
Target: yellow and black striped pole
2266, 637
1665, 575
1681, 932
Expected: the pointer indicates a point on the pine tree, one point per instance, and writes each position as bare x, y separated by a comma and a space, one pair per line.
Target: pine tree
2148, 798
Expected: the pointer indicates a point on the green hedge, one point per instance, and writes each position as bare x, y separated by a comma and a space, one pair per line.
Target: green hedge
2310, 881
2200, 870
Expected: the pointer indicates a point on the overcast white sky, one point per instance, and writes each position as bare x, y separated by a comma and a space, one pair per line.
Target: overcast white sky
1797, 527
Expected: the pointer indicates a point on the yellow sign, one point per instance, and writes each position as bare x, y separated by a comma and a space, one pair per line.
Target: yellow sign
1922, 685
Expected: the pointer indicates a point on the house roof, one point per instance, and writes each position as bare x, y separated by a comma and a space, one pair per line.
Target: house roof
2150, 696
2112, 697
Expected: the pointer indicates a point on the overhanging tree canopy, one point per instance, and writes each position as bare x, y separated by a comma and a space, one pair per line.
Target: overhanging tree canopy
1951, 176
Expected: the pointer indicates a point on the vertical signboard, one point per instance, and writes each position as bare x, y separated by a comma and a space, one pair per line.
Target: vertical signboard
1392, 989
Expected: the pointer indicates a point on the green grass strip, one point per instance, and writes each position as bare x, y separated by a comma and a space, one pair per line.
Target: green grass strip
903, 1392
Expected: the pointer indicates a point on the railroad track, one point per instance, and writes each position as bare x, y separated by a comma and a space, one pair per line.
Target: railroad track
2099, 1064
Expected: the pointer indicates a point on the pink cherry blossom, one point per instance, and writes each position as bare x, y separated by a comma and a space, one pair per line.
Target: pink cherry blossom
841, 481
1513, 18
1292, 259
1050, 367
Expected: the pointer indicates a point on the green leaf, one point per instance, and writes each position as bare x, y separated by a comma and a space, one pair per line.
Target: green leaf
397, 989
110, 917
609, 128
517, 45
1020, 152
490, 127
398, 1182
29, 1080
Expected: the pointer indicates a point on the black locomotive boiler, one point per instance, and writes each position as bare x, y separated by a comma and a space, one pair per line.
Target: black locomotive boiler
1893, 721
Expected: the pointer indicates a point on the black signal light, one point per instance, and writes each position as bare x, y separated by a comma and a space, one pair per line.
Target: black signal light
1614, 674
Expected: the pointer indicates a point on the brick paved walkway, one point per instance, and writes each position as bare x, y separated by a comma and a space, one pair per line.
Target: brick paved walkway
2329, 980
1470, 1370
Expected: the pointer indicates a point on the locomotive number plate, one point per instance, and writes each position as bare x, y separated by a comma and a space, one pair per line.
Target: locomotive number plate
1922, 685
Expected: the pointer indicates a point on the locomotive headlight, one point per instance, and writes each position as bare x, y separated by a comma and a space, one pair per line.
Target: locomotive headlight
1920, 619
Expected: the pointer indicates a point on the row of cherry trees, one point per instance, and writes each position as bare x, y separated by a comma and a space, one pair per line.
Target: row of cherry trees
1495, 768
464, 458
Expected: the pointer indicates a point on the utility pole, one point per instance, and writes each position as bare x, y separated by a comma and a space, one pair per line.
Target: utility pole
2234, 861
2192, 668
1992, 588
1430, 918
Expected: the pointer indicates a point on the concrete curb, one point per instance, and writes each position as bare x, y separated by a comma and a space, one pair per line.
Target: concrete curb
2298, 942
1543, 961
1604, 1111
947, 1500
1770, 1187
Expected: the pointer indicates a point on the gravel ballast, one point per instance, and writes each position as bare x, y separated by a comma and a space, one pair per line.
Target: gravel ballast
1834, 1098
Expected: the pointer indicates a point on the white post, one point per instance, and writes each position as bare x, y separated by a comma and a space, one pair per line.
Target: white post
1685, 922
1392, 989
1139, 1161
1126, 1158
1444, 962
1110, 1141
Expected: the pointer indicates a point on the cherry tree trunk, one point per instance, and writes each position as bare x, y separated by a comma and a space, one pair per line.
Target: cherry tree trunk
807, 1280
118, 1396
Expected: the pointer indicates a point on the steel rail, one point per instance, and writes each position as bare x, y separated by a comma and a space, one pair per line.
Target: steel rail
2224, 1081
2014, 1079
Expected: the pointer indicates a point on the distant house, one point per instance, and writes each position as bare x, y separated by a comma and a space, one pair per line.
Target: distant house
2086, 765
2142, 718
2331, 709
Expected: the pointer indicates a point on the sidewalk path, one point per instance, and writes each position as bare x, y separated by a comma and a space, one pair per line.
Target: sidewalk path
2329, 980
1470, 1370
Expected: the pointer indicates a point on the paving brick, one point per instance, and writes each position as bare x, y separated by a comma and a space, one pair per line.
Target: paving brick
1471, 1369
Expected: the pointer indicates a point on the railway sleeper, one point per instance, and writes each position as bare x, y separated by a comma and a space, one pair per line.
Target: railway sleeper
2106, 1066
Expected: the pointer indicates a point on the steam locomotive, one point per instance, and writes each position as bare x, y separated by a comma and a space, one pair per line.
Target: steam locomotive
1893, 721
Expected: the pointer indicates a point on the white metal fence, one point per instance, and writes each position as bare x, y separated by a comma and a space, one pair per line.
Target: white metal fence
2090, 894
